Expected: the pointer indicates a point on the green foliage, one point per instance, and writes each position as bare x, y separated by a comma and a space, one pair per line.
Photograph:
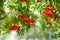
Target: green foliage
24, 7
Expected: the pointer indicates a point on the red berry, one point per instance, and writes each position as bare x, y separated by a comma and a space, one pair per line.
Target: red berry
23, 0
20, 16
49, 8
14, 27
38, 0
28, 20
48, 22
49, 13
58, 21
1, 9
32, 21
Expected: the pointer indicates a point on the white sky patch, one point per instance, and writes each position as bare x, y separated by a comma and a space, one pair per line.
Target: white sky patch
12, 35
7, 10
32, 5
36, 13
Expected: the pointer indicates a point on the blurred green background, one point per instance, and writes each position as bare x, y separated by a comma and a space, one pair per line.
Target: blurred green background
58, 5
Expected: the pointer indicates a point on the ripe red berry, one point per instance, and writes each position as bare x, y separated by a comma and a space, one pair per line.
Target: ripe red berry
23, 0
48, 22
20, 16
14, 27
49, 13
32, 21
58, 21
1, 9
38, 0
28, 20
49, 8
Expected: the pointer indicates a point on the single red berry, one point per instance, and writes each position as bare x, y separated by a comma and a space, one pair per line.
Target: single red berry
48, 22
1, 9
38, 0
32, 21
14, 27
20, 16
28, 20
49, 8
58, 21
23, 0
49, 13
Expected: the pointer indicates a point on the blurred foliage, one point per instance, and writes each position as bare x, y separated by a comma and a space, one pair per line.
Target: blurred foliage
10, 18
58, 5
